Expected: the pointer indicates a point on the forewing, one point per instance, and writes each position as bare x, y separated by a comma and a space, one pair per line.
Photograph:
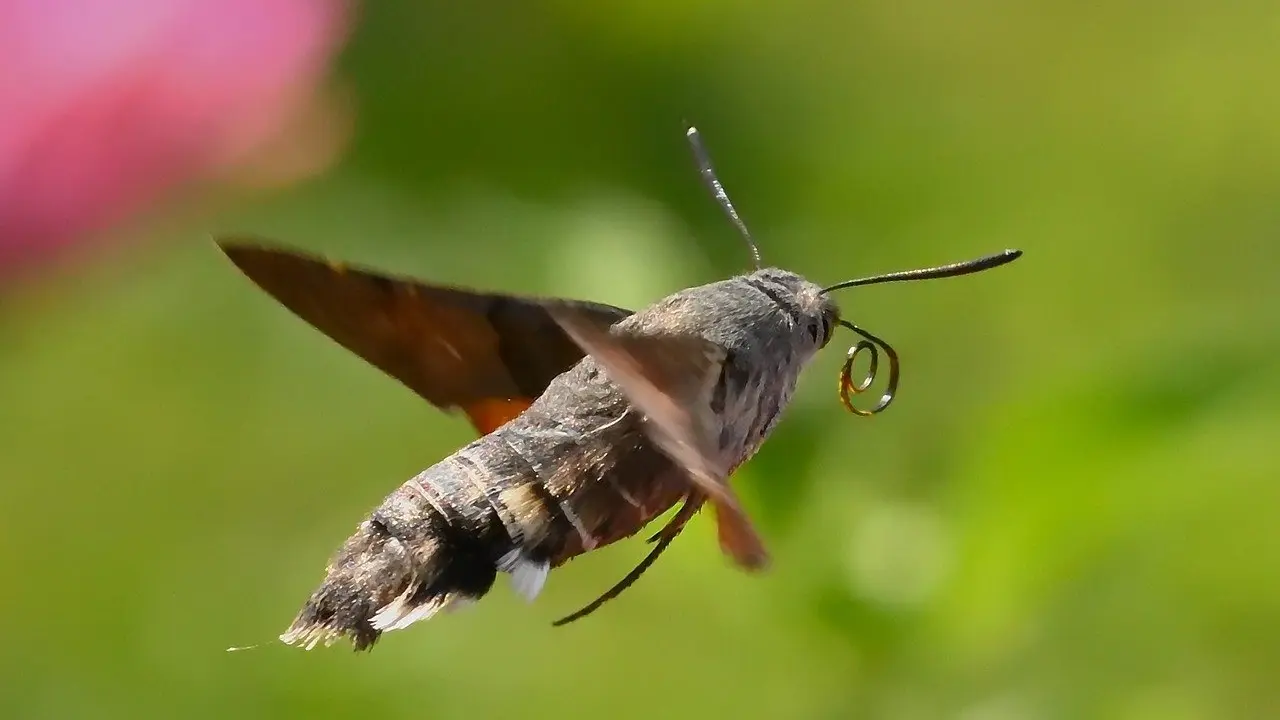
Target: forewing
489, 355
670, 380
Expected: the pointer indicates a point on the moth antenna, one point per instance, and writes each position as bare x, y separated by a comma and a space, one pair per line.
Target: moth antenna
708, 174
967, 267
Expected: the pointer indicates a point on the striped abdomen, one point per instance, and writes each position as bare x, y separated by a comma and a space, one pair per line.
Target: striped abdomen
573, 473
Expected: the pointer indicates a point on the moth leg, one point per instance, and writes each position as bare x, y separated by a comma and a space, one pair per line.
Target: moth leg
664, 537
737, 534
738, 539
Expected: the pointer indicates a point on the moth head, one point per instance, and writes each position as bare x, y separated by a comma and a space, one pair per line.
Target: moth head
815, 313
820, 311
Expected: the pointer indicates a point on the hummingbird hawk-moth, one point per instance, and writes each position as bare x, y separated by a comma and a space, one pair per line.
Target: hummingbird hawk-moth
593, 420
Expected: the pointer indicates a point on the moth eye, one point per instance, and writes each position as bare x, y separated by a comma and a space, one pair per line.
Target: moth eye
826, 332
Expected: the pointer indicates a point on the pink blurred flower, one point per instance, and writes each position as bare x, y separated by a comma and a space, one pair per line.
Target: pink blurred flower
106, 106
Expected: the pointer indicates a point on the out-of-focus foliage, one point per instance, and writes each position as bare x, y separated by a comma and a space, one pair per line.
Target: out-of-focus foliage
1072, 511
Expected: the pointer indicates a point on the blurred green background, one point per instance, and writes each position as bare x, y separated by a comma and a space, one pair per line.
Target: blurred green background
1071, 511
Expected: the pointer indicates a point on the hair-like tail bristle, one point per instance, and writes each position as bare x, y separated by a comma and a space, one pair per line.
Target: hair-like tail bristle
377, 584
308, 636
371, 568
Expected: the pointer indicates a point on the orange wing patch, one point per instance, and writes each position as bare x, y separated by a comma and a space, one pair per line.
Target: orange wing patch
489, 414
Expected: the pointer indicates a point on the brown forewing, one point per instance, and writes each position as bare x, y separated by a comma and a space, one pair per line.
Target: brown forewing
487, 354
